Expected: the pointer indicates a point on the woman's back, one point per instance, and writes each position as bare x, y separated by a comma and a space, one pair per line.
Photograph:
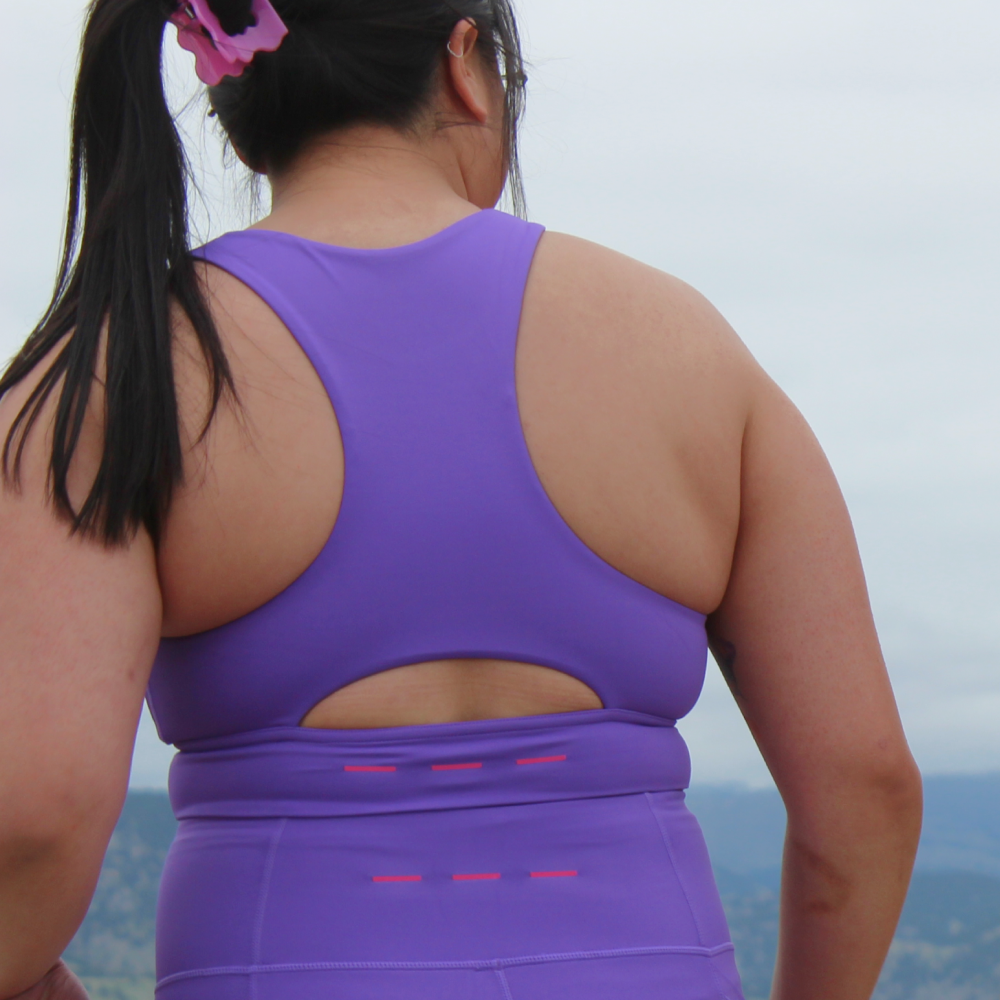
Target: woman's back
450, 591
632, 393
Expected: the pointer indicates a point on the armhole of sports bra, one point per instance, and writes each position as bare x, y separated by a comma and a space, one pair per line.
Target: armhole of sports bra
258, 285
560, 524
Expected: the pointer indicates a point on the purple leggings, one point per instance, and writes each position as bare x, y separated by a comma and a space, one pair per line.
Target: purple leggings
529, 859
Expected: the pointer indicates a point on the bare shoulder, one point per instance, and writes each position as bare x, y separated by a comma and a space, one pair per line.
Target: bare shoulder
635, 394
27, 430
588, 277
653, 329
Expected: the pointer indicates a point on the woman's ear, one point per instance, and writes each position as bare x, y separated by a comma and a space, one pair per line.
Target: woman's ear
465, 70
242, 158
239, 154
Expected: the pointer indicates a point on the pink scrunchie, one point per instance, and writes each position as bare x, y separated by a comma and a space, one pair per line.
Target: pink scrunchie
217, 54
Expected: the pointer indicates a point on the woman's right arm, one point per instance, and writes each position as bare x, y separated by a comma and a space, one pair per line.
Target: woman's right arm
79, 627
795, 638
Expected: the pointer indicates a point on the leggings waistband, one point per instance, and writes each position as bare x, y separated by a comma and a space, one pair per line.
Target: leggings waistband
298, 772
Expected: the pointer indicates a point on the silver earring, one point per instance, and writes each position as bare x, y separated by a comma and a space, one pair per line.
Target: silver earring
457, 55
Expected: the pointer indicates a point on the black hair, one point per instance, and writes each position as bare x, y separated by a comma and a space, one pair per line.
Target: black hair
347, 61
126, 260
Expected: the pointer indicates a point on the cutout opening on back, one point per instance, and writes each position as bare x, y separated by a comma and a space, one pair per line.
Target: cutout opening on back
456, 690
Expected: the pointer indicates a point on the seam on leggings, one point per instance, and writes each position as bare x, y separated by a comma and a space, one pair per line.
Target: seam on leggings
501, 975
716, 977
481, 964
223, 816
265, 890
676, 870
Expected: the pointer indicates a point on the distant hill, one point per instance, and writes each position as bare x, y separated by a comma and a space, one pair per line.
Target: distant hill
961, 824
744, 829
947, 947
948, 943
113, 950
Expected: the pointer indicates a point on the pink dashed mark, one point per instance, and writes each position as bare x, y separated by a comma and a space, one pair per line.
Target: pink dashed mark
354, 767
475, 878
397, 878
454, 767
551, 874
542, 760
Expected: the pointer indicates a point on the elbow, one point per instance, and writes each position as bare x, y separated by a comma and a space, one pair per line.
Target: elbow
856, 820
893, 791
902, 788
52, 845
877, 793
53, 835
882, 786
59, 807
859, 839
47, 879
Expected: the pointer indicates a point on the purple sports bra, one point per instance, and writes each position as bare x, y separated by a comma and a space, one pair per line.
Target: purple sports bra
446, 544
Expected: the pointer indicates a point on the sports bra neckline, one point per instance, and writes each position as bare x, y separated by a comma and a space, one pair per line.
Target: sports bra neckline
453, 229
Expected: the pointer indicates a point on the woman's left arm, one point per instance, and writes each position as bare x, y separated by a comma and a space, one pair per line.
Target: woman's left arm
79, 628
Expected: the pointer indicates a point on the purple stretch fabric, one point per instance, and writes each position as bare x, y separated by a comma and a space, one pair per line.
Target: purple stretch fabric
516, 859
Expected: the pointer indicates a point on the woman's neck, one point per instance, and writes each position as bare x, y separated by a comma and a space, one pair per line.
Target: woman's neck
369, 187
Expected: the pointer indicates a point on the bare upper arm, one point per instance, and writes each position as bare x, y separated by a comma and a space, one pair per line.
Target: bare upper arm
795, 631
79, 627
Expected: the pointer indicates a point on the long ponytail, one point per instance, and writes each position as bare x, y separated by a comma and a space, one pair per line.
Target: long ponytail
125, 262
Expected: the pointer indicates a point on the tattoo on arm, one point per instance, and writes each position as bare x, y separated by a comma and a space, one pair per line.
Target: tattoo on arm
725, 655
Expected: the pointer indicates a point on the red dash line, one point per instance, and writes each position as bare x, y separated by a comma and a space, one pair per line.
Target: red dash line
551, 874
542, 760
352, 767
453, 767
472, 878
397, 878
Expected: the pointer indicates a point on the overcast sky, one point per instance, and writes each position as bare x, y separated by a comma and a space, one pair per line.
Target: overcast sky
829, 175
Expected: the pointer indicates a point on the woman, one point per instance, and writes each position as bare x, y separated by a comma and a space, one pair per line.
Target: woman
411, 519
